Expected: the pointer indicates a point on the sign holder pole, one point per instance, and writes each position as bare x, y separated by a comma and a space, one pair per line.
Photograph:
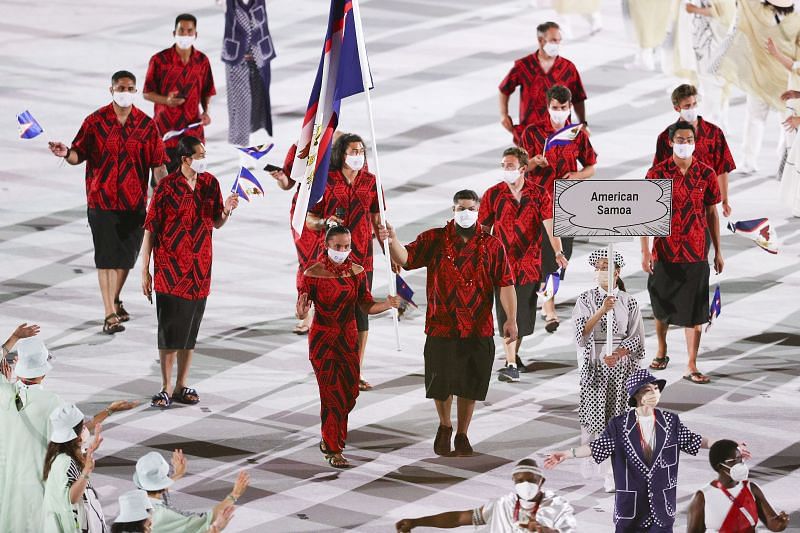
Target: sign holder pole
610, 315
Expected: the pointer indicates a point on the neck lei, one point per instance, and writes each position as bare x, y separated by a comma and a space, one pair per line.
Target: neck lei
336, 268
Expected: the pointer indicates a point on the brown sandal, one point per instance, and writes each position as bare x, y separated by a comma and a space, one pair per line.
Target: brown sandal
122, 313
364, 385
697, 377
112, 325
659, 363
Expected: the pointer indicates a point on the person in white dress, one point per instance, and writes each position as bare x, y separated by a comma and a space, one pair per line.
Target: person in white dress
602, 377
527, 508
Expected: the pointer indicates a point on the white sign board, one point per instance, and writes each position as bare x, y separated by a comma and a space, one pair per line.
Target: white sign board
594, 208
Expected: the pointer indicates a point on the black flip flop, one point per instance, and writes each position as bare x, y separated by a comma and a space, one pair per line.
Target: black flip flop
181, 396
161, 397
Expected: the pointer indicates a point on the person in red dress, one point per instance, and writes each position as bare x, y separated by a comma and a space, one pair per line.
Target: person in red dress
120, 145
179, 82
186, 207
350, 199
678, 264
336, 285
558, 162
465, 265
514, 211
535, 74
731, 503
710, 146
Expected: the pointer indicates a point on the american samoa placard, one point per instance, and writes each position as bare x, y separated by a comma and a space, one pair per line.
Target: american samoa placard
589, 208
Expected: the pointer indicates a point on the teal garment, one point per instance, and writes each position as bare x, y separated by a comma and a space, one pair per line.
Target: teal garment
23, 444
57, 509
168, 520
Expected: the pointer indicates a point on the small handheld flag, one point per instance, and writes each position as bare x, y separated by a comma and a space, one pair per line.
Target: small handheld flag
562, 137
175, 133
758, 230
28, 126
257, 152
550, 287
715, 308
404, 291
246, 185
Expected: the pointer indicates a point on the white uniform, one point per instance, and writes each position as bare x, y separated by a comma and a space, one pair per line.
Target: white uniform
23, 444
168, 520
498, 515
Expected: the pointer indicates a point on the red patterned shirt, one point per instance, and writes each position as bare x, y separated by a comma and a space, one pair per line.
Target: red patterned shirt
562, 159
359, 201
528, 74
181, 221
118, 158
192, 81
710, 147
691, 194
462, 277
518, 225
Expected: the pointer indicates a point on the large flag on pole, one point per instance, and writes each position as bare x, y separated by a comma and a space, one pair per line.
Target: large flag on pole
338, 76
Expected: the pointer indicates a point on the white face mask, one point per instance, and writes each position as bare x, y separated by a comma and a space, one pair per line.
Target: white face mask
466, 218
602, 279
559, 117
356, 162
185, 41
510, 176
689, 115
738, 472
651, 398
683, 151
199, 165
123, 99
551, 49
337, 256
86, 438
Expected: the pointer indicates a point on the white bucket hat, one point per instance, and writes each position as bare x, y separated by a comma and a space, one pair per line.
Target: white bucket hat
133, 506
782, 3
152, 472
32, 359
62, 420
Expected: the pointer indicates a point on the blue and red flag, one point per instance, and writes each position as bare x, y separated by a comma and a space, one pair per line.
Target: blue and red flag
338, 76
28, 126
562, 137
758, 230
550, 287
257, 152
246, 185
404, 291
715, 308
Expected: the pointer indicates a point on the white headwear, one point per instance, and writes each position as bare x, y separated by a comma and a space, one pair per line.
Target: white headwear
602, 253
32, 359
133, 506
152, 472
62, 420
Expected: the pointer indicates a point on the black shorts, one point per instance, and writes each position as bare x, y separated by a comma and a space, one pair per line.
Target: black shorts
526, 309
362, 318
178, 321
117, 237
458, 367
549, 264
679, 292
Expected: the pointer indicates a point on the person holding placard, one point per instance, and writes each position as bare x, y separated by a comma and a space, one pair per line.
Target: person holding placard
515, 211
602, 377
465, 266
678, 264
552, 159
710, 146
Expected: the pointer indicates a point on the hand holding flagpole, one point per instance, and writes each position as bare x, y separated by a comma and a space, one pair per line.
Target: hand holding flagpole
365, 79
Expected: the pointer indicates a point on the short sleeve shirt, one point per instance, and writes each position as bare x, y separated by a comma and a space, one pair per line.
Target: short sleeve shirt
462, 277
359, 201
528, 74
518, 226
192, 81
710, 147
562, 158
118, 158
181, 220
691, 194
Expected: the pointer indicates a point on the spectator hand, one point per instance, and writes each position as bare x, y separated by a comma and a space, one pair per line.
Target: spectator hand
224, 518
791, 123
771, 48
24, 331
555, 459
122, 405
746, 455
404, 525
242, 481
178, 465
98, 440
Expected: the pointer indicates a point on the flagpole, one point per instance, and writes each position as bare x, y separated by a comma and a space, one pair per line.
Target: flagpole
304, 194
612, 266
365, 80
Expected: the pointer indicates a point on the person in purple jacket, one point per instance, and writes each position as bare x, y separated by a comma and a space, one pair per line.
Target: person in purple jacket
644, 445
